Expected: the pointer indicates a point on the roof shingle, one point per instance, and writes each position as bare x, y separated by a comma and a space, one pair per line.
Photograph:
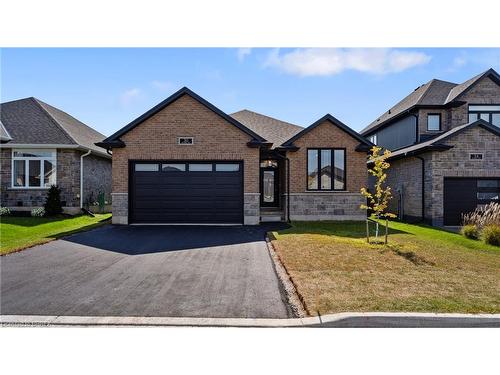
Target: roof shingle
31, 121
273, 130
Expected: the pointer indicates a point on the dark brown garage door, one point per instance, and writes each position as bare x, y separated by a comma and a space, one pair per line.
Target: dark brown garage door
186, 192
462, 195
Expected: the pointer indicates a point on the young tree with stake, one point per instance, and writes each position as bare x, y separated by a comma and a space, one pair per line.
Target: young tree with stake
380, 198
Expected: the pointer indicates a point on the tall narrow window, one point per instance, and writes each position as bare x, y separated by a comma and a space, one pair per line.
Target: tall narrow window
312, 169
433, 122
326, 169
339, 183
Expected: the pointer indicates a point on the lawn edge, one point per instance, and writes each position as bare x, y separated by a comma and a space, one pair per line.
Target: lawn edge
295, 299
47, 240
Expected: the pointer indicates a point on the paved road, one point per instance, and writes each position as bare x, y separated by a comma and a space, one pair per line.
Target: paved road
146, 271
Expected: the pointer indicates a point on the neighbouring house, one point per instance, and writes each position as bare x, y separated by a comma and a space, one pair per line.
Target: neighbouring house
445, 143
186, 161
43, 146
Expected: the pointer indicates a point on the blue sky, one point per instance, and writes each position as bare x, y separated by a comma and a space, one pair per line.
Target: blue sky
107, 88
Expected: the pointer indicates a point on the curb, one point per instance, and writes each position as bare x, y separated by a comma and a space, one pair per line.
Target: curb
491, 320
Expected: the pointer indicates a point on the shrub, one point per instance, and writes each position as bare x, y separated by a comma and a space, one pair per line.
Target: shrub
483, 216
53, 204
38, 212
4, 211
470, 231
491, 234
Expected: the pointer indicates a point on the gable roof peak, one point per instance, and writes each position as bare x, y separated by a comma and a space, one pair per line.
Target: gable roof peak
334, 121
113, 140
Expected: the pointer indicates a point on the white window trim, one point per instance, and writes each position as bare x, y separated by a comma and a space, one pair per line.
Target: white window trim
52, 159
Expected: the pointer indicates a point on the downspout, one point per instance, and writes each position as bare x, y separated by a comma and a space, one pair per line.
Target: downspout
423, 185
81, 176
423, 165
287, 189
287, 161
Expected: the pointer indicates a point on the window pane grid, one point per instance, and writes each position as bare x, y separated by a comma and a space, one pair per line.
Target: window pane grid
323, 165
32, 168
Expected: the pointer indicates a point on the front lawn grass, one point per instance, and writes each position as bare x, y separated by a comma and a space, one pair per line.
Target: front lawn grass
422, 269
17, 233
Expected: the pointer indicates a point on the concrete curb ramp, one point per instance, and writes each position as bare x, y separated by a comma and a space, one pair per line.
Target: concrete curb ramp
332, 320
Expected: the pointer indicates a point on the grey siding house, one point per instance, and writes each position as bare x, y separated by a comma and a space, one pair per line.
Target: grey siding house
43, 146
445, 143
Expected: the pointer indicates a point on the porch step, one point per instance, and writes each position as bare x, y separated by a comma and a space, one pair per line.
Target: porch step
268, 216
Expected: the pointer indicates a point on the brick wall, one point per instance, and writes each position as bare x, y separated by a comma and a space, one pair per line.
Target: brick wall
484, 92
156, 139
327, 135
307, 205
68, 179
422, 120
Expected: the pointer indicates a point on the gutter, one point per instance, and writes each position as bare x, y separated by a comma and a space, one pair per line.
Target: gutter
81, 176
54, 145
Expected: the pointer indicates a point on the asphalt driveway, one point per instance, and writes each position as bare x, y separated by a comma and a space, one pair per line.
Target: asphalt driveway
146, 271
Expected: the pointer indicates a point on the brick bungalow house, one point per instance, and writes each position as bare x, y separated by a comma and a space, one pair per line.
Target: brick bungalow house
445, 142
186, 161
41, 146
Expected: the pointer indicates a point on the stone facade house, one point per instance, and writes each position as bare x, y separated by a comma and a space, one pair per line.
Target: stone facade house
185, 161
445, 143
43, 146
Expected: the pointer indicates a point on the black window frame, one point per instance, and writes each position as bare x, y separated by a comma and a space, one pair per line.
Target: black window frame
332, 176
440, 122
478, 112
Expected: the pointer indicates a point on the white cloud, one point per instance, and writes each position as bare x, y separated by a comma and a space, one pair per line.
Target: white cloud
128, 96
331, 61
457, 63
241, 53
163, 85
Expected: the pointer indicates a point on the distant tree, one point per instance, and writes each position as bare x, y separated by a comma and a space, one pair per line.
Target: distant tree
378, 201
53, 204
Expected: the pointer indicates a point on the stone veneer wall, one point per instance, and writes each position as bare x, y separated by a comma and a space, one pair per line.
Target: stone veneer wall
251, 208
404, 177
96, 178
455, 163
484, 92
326, 206
67, 178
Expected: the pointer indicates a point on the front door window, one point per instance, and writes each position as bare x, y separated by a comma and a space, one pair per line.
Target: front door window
269, 177
268, 186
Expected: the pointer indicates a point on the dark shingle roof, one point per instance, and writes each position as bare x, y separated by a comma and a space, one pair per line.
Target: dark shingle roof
31, 121
4, 134
273, 130
461, 88
437, 141
433, 93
